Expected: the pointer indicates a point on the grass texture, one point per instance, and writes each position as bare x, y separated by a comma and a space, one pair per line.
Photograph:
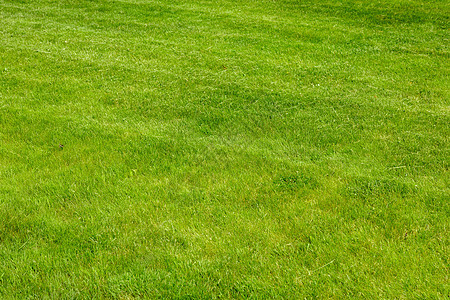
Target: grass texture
202, 149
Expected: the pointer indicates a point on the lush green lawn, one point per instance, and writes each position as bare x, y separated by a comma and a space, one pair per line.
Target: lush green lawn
235, 149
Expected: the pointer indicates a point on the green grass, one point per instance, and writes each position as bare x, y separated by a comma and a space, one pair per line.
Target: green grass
224, 149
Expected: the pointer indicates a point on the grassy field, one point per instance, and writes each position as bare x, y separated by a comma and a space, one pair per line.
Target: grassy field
224, 149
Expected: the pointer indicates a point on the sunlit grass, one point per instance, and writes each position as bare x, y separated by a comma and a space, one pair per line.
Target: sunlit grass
234, 149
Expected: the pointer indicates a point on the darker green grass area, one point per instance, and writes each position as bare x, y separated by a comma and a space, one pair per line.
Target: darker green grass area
224, 149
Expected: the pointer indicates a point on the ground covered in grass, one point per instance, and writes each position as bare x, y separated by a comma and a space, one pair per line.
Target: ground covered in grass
223, 148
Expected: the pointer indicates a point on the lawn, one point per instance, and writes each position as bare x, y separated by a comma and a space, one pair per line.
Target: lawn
224, 149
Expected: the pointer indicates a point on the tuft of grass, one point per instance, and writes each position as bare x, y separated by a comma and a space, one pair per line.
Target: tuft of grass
224, 149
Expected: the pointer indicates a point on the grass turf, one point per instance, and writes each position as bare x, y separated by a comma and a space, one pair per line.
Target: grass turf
235, 149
